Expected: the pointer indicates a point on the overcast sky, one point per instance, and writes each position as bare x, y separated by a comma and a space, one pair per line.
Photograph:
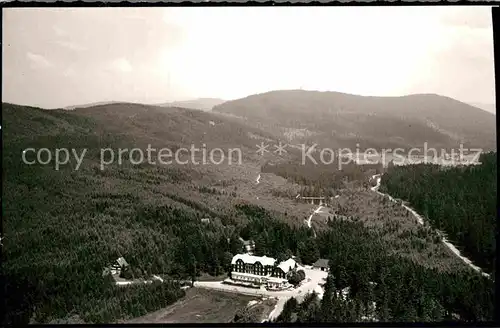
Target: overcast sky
61, 57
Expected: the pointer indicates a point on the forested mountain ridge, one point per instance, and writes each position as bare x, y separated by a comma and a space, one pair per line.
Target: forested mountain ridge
205, 104
336, 119
487, 107
31, 122
99, 103
171, 125
461, 201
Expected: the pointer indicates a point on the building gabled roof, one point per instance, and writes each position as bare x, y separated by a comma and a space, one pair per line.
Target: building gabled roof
247, 242
287, 265
121, 261
321, 263
251, 259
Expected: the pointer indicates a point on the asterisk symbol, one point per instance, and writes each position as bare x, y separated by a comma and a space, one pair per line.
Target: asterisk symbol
280, 148
262, 148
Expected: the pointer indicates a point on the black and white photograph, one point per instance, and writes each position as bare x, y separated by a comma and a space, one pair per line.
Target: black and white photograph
248, 164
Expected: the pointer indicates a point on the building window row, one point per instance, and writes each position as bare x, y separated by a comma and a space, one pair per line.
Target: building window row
250, 268
258, 269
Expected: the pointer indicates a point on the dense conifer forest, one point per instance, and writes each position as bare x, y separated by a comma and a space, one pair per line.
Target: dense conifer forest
401, 290
460, 201
323, 179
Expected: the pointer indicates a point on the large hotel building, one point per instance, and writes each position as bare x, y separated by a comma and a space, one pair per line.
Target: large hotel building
261, 270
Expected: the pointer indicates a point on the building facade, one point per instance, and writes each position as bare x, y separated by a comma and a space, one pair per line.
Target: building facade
117, 267
322, 264
261, 271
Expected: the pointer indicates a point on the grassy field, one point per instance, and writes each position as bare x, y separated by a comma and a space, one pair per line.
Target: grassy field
205, 306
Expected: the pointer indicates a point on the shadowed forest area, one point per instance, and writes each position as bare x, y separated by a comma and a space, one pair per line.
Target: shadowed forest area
320, 179
460, 201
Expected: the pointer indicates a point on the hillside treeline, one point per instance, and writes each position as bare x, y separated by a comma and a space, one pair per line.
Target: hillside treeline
323, 179
460, 201
275, 238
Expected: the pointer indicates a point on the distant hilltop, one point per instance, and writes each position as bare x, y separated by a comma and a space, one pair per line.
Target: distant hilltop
491, 108
205, 104
336, 119
99, 103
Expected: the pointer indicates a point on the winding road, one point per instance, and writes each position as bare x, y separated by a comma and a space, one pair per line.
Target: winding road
307, 287
420, 220
308, 221
315, 212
